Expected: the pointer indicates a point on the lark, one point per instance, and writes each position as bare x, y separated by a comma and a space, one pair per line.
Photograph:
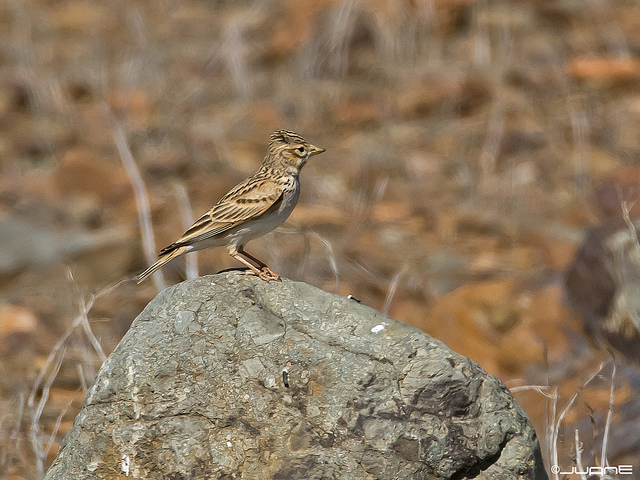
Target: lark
252, 208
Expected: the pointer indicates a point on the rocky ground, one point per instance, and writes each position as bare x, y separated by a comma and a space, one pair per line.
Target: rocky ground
470, 145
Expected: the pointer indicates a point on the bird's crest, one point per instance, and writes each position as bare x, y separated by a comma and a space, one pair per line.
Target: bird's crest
285, 136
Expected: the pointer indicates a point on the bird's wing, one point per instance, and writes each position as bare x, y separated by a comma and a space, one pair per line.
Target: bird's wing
246, 201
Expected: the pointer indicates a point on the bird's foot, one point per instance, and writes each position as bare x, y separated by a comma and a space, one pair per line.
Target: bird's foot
267, 275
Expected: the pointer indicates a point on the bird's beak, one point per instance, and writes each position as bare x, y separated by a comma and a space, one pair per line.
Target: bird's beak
315, 150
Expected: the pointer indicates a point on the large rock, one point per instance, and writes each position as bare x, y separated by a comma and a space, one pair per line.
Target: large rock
228, 376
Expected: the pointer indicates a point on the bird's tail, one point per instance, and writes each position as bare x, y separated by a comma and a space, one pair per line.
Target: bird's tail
164, 258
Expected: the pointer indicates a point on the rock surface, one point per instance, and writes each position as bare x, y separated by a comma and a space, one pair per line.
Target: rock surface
228, 376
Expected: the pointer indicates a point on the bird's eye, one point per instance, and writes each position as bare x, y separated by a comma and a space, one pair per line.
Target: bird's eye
300, 149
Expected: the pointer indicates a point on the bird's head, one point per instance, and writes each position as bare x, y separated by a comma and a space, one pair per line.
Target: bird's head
290, 151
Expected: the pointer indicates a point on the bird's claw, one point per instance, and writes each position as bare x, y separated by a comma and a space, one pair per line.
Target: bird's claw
267, 275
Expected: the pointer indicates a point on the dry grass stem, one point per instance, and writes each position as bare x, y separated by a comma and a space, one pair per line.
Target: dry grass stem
332, 259
139, 191
80, 320
186, 215
81, 375
47, 376
552, 430
34, 431
580, 129
607, 426
491, 147
392, 288
306, 252
541, 389
89, 332
54, 432
555, 425
579, 455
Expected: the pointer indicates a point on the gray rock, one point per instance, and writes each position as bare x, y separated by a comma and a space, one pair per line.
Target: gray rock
228, 376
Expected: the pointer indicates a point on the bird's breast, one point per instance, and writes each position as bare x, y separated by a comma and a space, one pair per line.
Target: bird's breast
290, 195
270, 220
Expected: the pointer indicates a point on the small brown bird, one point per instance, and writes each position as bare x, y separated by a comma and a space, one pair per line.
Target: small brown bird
252, 208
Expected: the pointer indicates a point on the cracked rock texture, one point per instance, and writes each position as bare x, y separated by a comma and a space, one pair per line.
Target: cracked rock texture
228, 376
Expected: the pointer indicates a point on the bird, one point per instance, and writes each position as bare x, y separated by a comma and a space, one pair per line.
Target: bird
249, 210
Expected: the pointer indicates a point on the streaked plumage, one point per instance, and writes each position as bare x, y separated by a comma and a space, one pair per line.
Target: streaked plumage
252, 208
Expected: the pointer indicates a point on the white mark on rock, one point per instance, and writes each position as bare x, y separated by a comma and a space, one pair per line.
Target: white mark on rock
229, 444
379, 328
254, 366
134, 391
270, 381
313, 411
183, 320
126, 462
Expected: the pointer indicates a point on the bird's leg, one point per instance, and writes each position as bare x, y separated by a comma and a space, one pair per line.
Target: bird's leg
270, 274
240, 258
252, 258
255, 261
257, 267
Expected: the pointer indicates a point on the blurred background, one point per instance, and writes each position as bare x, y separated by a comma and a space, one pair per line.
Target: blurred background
483, 159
